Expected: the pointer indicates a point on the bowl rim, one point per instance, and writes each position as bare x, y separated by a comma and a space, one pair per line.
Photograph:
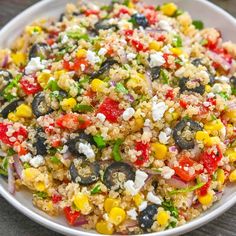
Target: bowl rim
189, 226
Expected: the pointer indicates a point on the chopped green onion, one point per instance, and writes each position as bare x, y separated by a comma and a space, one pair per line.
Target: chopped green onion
42, 195
96, 189
52, 85
116, 150
204, 42
52, 151
77, 35
164, 76
224, 95
198, 24
3, 172
121, 88
10, 152
126, 2
26, 165
55, 160
98, 139
233, 90
178, 12
7, 94
83, 108
177, 41
169, 206
187, 190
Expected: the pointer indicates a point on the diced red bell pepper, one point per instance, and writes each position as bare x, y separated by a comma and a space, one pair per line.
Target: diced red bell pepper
138, 46
73, 121
20, 134
212, 101
76, 64
204, 189
210, 159
71, 215
183, 169
110, 109
56, 143
144, 148
122, 11
56, 198
183, 104
152, 17
91, 12
30, 85
170, 94
128, 33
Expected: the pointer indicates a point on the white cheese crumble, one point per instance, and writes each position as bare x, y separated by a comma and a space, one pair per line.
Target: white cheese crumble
163, 138
131, 56
34, 65
128, 113
132, 214
167, 172
92, 57
102, 51
216, 88
64, 149
37, 161
26, 158
210, 95
154, 199
222, 79
164, 25
129, 186
157, 59
64, 39
87, 150
158, 110
101, 117
142, 206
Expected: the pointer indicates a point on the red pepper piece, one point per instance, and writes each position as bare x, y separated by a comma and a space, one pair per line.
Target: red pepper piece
144, 148
71, 215
170, 94
30, 85
56, 198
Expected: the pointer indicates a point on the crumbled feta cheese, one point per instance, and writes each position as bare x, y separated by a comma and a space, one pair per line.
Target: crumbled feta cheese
105, 217
164, 25
102, 51
92, 57
216, 88
132, 214
64, 39
124, 24
87, 150
222, 79
101, 117
163, 138
140, 178
171, 110
154, 199
129, 186
64, 149
210, 95
167, 172
37, 161
131, 56
158, 110
34, 65
128, 113
82, 67
206, 104
157, 59
26, 158
147, 123
142, 206
166, 48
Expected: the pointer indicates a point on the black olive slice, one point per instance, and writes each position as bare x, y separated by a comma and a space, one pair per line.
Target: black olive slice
155, 72
84, 172
10, 107
146, 217
181, 130
233, 81
104, 25
41, 50
40, 145
5, 78
117, 174
182, 84
40, 106
197, 62
139, 20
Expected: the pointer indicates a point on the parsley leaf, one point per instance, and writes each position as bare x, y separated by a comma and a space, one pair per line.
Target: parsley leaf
198, 24
96, 189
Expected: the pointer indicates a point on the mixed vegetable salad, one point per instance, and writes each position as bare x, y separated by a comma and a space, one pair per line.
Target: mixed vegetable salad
119, 117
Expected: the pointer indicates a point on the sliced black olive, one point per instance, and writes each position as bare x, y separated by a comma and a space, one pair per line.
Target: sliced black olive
182, 84
5, 78
233, 81
155, 72
104, 25
146, 217
181, 130
104, 67
197, 62
117, 174
73, 143
40, 106
84, 172
40, 145
41, 50
139, 20
61, 17
9, 107
211, 79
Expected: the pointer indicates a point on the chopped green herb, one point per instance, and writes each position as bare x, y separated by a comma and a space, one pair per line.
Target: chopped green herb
198, 24
213, 117
179, 61
77, 35
55, 160
178, 12
233, 90
172, 225
224, 95
121, 88
52, 85
98, 139
7, 94
96, 189
158, 8
26, 165
169, 206
57, 95
126, 2
204, 42
187, 190
52, 151
116, 150
164, 76
3, 172
42, 195
177, 41
83, 108
10, 152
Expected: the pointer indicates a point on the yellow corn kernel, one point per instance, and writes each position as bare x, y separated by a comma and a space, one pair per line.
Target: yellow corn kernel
40, 186
208, 88
110, 203
232, 176
163, 217
221, 176
176, 51
160, 150
117, 215
231, 154
231, 114
24, 111
98, 85
169, 9
201, 135
18, 58
81, 53
130, 4
33, 30
59, 73
139, 123
104, 227
214, 125
206, 199
30, 174
12, 116
81, 201
137, 199
43, 79
19, 44
212, 141
68, 104
175, 115
154, 45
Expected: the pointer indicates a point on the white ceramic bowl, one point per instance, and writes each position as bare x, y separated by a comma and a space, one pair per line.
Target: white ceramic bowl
199, 9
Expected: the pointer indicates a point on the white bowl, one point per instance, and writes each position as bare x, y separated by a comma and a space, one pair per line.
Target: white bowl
199, 9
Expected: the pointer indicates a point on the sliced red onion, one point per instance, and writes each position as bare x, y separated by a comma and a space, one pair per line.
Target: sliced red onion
149, 83
218, 59
11, 179
5, 61
189, 200
173, 149
82, 220
18, 166
130, 223
129, 98
219, 195
112, 83
176, 182
67, 155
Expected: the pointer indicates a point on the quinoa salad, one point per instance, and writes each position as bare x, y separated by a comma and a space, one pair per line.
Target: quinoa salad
121, 118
